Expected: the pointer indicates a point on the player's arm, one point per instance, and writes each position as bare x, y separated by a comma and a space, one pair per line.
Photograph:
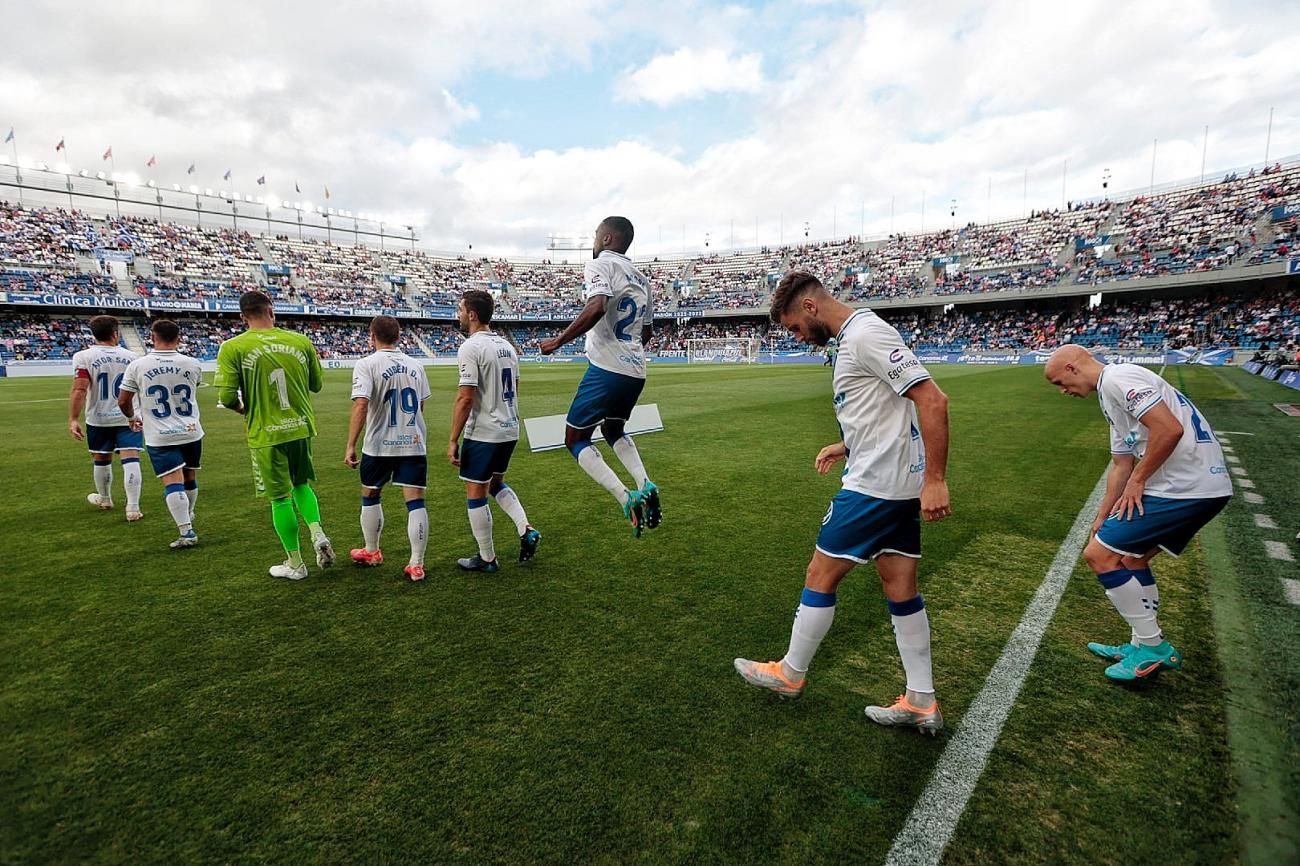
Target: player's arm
932, 411
315, 375
227, 380
360, 406
1121, 467
459, 415
76, 403
1163, 433
592, 313
128, 399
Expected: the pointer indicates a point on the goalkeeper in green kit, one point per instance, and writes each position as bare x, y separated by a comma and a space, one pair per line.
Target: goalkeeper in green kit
268, 375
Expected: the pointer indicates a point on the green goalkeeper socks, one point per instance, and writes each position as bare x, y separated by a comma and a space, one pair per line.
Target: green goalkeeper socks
304, 498
286, 526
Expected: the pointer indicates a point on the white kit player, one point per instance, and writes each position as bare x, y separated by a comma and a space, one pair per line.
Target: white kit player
388, 393
894, 423
487, 412
97, 379
1167, 479
617, 318
164, 386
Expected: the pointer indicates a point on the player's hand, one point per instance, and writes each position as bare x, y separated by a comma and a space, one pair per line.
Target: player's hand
1129, 503
828, 457
350, 458
74, 427
135, 424
934, 501
453, 453
1096, 524
549, 346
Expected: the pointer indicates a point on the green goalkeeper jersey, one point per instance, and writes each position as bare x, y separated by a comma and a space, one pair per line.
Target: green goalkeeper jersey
276, 371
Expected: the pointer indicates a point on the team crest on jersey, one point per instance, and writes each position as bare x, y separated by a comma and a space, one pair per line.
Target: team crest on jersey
839, 399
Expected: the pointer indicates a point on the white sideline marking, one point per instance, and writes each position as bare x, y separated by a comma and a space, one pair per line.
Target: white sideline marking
934, 817
1227, 449
1238, 470
1291, 589
1253, 498
1237, 432
1278, 550
43, 400
1245, 483
1263, 521
1231, 458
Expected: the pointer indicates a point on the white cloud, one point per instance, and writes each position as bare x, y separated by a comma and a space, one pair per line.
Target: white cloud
690, 73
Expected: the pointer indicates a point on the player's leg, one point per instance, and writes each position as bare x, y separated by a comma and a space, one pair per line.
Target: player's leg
169, 466
411, 475
812, 621
480, 524
302, 472
375, 472
589, 408
271, 472
1140, 566
99, 441
193, 462
917, 706
508, 501
131, 477
614, 431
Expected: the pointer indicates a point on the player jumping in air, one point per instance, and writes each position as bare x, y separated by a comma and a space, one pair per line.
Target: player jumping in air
388, 393
1167, 479
487, 411
268, 375
895, 473
617, 320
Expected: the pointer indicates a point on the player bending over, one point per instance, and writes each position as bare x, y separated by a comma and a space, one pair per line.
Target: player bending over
487, 411
894, 474
1167, 479
165, 382
388, 393
97, 380
268, 375
617, 320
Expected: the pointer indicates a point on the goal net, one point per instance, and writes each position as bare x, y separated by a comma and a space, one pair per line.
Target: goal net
722, 350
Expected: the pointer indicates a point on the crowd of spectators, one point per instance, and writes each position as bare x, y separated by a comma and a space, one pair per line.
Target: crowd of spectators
57, 282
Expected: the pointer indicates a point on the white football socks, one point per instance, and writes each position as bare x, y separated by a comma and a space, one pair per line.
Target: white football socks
595, 466
513, 508
627, 454
480, 522
417, 529
811, 623
192, 494
1130, 599
179, 506
132, 481
912, 635
104, 481
372, 525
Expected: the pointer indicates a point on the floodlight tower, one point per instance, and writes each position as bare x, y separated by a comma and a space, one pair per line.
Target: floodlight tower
566, 242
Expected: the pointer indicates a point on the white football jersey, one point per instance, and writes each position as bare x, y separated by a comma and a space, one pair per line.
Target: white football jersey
396, 386
489, 363
614, 344
104, 366
1196, 468
873, 369
167, 386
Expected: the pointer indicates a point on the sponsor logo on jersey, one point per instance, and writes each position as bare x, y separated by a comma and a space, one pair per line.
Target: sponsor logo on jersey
1136, 397
897, 372
895, 356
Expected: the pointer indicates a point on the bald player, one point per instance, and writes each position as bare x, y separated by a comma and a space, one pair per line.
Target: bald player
894, 425
1167, 479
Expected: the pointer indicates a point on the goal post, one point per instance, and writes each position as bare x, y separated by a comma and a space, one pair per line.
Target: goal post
722, 350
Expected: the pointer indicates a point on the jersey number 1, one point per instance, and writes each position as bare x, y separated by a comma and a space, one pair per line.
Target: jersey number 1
276, 377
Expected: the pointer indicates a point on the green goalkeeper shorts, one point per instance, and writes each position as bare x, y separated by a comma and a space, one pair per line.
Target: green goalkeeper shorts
277, 469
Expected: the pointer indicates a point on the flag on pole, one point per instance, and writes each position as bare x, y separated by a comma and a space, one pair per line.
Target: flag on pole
10, 136
261, 181
58, 147
108, 154
327, 193
226, 176
153, 160
190, 170
295, 187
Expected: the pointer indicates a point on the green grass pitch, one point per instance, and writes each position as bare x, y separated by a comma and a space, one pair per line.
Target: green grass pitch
165, 707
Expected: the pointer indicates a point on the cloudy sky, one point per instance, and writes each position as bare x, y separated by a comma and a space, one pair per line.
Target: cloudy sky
499, 122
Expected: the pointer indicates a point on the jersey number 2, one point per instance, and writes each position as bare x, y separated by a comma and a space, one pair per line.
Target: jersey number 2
627, 321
